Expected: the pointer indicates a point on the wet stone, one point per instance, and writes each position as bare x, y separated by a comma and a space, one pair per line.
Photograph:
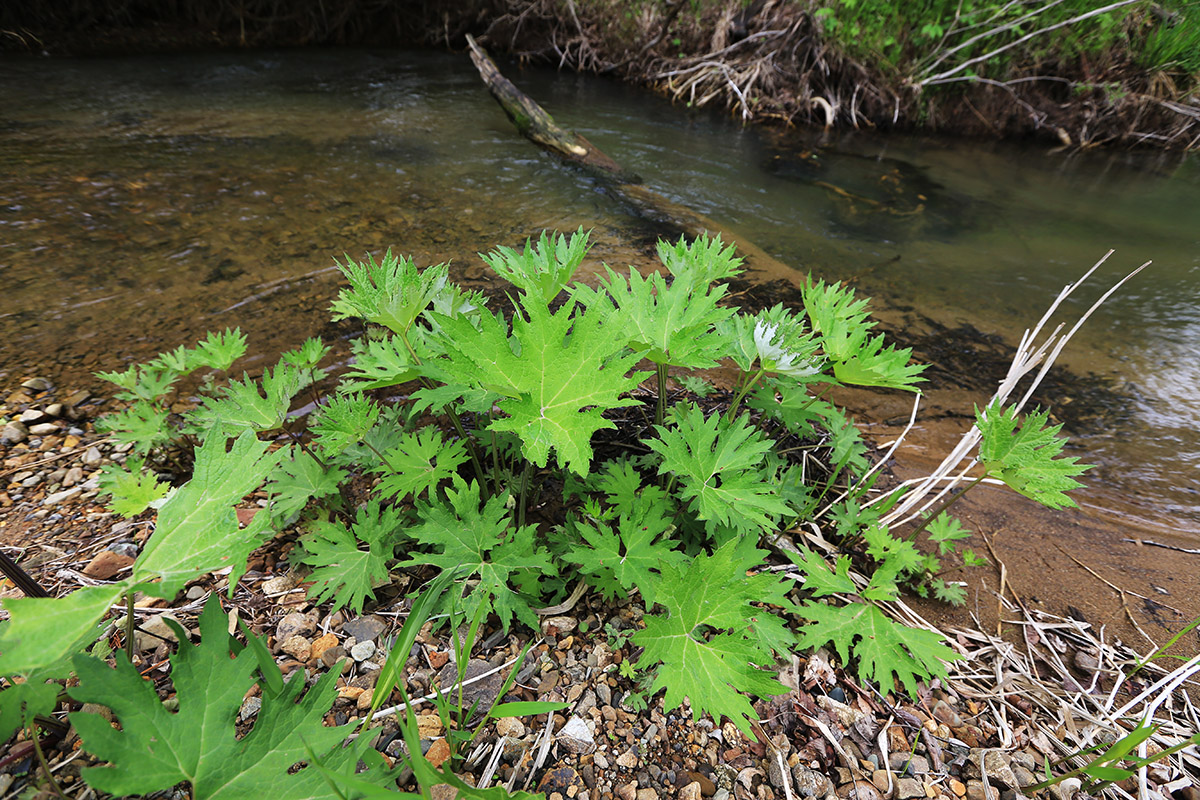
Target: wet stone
14, 433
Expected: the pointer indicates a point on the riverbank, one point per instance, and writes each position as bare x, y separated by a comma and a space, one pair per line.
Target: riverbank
1071, 73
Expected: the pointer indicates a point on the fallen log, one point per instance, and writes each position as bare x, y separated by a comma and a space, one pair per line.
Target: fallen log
535, 124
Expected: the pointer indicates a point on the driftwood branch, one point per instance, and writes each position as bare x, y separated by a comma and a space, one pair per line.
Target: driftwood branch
539, 127
532, 121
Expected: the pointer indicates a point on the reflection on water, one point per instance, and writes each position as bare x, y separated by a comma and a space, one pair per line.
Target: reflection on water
146, 200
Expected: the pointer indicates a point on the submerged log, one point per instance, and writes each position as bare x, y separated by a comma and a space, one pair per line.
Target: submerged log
535, 124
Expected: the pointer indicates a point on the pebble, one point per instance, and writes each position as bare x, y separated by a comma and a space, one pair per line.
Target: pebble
298, 647
321, 644
364, 629
31, 415
438, 753
106, 564
807, 782
907, 788
648, 793
153, 631
58, 497
250, 707
278, 584
55, 410
859, 790
576, 737
37, 385
362, 650
92, 456
513, 727
559, 626
14, 433
293, 624
627, 760
43, 429
73, 476
627, 791
690, 791
976, 791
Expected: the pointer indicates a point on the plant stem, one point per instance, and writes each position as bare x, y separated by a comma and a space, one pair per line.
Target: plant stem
41, 757
129, 626
925, 523
660, 408
524, 490
745, 390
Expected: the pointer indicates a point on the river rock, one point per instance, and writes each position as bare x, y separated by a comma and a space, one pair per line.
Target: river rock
364, 629
298, 647
361, 651
14, 432
807, 782
576, 737
92, 456
291, 625
31, 415
43, 429
65, 494
106, 565
37, 385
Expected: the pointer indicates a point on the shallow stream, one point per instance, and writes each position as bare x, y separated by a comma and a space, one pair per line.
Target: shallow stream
146, 200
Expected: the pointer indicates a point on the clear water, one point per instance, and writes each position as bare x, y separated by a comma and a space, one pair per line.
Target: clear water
146, 200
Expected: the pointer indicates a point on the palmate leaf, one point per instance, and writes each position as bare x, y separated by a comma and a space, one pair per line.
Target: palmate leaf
392, 292
218, 350
1026, 458
21, 702
558, 375
670, 324
420, 462
473, 541
631, 558
717, 464
712, 640
542, 270
345, 420
132, 488
296, 480
700, 262
380, 364
818, 578
156, 748
884, 648
197, 530
244, 405
142, 424
876, 365
344, 571
842, 322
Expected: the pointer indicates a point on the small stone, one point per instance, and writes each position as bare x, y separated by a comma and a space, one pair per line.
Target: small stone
73, 476
690, 791
807, 782
577, 738
601, 760
364, 629
998, 771
195, 592
350, 692
37, 385
14, 433
106, 565
365, 699
907, 788
859, 790
429, 726
291, 625
558, 626
512, 727
322, 644
298, 647
443, 791
43, 429
560, 781
627, 760
31, 415
55, 409
976, 791
250, 707
1024, 776
946, 715
957, 786
92, 456
483, 691
627, 791
439, 751
363, 650
278, 585
76, 398
775, 773
331, 656
153, 632
58, 497
647, 794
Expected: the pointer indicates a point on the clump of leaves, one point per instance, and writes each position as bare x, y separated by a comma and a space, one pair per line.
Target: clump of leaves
497, 413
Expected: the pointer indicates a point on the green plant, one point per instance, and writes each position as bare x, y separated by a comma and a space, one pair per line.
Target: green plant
496, 414
1106, 768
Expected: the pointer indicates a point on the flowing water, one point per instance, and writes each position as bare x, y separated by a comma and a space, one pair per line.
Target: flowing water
146, 200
